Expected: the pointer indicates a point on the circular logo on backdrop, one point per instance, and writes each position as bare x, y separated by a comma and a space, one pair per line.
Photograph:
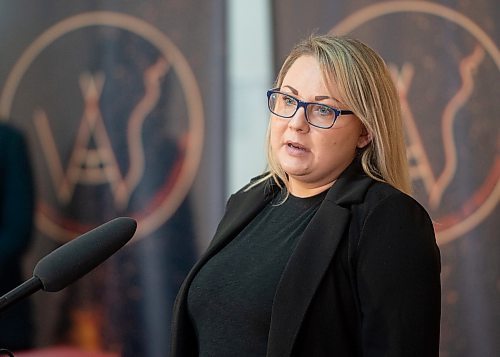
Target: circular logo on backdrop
448, 86
115, 120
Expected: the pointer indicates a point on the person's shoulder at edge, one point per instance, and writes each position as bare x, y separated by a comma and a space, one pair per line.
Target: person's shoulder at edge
7, 129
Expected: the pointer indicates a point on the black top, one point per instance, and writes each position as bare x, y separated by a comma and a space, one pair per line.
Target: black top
230, 299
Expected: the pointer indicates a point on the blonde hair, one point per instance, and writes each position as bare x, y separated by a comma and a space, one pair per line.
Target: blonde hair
367, 89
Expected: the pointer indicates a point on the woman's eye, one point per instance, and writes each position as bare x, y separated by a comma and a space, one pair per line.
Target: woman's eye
288, 100
324, 111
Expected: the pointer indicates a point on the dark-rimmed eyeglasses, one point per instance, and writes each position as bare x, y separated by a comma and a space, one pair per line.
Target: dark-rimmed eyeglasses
319, 115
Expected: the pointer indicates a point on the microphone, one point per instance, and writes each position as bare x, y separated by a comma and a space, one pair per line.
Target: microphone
74, 259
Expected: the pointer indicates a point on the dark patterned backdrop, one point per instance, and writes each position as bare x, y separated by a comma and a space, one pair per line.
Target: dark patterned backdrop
114, 99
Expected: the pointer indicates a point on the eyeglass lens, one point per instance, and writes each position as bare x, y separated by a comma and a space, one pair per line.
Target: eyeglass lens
316, 114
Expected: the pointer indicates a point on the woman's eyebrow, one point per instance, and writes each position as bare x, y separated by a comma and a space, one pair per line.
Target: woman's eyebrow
318, 97
322, 97
294, 91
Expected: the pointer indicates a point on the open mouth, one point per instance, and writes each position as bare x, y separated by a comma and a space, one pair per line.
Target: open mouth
296, 146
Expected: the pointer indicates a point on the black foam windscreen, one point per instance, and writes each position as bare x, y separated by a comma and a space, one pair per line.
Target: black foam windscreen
79, 256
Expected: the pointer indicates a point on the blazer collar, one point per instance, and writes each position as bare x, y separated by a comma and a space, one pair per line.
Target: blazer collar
244, 205
350, 187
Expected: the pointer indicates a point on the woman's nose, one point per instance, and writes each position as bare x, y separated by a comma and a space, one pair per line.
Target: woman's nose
299, 121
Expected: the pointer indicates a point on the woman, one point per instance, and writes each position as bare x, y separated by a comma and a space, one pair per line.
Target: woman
326, 254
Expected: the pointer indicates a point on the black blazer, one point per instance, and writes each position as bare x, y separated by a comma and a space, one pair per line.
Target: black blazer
362, 281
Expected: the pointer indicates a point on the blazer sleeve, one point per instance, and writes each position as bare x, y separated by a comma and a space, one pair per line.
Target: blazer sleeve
398, 280
16, 198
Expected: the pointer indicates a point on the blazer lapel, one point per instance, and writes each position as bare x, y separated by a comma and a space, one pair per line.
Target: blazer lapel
303, 275
311, 259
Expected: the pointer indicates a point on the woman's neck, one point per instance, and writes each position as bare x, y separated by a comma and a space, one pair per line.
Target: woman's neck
301, 189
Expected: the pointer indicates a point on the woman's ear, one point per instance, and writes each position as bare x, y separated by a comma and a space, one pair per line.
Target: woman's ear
364, 138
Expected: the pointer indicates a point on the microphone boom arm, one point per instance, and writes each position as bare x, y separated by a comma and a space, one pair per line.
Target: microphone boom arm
27, 288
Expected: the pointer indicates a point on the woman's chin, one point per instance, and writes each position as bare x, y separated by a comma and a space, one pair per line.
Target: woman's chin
294, 166
294, 171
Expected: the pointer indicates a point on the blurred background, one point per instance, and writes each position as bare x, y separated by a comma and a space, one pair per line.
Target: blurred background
157, 110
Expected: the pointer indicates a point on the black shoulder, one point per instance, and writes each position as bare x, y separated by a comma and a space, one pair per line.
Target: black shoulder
379, 192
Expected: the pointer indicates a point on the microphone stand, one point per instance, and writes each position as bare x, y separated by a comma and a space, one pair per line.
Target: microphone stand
27, 288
